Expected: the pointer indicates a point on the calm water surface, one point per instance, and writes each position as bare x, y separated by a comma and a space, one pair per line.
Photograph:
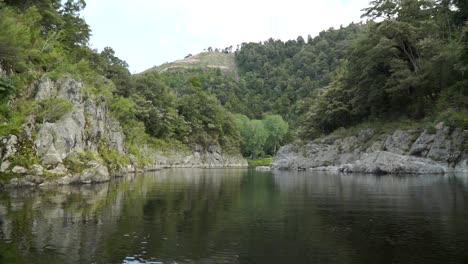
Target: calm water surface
240, 216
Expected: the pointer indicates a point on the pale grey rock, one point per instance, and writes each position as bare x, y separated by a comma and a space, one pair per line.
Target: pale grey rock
384, 162
263, 168
441, 145
70, 89
65, 180
422, 145
399, 142
81, 130
376, 146
439, 126
27, 128
19, 182
365, 134
96, 172
5, 165
36, 180
401, 152
36, 169
10, 147
60, 170
19, 170
27, 181
462, 165
45, 89
51, 158
326, 168
290, 157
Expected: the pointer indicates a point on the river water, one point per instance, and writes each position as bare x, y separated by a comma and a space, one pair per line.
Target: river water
239, 216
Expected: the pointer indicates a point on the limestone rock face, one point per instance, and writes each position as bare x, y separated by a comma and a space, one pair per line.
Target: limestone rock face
384, 162
401, 152
82, 129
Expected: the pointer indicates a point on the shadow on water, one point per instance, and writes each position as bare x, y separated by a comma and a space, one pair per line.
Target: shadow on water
239, 216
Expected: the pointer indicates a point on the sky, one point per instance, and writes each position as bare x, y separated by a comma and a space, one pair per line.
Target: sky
146, 33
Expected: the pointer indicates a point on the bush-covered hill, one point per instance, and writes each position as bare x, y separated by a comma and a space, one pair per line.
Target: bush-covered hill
409, 61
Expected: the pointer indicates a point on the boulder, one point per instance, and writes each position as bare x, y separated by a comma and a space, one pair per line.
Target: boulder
51, 157
19, 170
36, 169
9, 146
27, 181
59, 170
4, 166
263, 168
96, 172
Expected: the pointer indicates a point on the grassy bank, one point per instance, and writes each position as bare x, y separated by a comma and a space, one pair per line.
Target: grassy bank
260, 162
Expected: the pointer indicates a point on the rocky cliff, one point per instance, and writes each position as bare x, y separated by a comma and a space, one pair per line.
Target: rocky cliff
54, 149
441, 150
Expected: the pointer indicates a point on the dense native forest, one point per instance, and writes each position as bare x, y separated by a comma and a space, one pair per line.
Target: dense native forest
409, 61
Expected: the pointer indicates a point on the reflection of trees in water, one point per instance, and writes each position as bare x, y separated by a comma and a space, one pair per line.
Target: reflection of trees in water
88, 222
55, 220
412, 192
388, 219
211, 215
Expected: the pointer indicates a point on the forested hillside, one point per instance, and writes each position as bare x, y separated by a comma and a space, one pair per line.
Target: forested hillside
405, 65
407, 62
411, 64
45, 38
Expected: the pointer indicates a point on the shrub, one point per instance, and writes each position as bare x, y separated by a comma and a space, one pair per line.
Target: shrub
51, 110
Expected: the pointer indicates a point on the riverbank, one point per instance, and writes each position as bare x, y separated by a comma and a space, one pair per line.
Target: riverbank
100, 173
418, 151
78, 140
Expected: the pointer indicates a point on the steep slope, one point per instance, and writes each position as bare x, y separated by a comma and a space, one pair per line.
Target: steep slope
84, 143
215, 60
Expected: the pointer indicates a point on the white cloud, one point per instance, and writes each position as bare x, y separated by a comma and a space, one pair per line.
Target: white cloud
148, 32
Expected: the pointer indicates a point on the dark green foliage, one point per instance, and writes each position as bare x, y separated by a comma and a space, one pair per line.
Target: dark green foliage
113, 68
207, 120
7, 88
405, 65
155, 106
277, 76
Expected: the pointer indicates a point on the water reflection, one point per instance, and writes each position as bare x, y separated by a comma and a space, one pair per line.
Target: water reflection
239, 216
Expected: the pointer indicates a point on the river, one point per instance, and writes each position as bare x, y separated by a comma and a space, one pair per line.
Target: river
239, 216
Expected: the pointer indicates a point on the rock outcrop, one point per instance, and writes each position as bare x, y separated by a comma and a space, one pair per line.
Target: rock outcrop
85, 128
411, 151
200, 157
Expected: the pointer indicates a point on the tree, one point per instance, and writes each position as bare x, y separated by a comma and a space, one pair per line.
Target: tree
116, 70
73, 31
253, 136
277, 129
